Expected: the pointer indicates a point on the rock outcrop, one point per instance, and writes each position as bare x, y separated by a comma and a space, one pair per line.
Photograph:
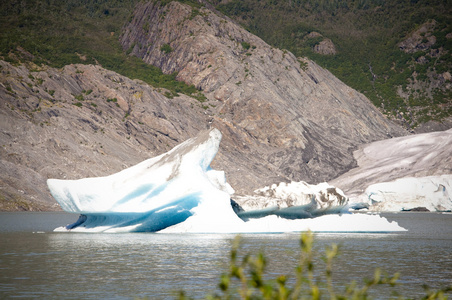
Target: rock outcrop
325, 47
420, 39
426, 87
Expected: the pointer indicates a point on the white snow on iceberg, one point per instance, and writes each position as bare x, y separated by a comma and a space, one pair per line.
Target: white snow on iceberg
179, 192
294, 200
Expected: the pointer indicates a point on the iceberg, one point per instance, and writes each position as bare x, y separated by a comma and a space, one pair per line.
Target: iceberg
294, 200
178, 192
152, 195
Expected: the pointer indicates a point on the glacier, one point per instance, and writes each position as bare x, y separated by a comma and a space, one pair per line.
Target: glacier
403, 173
429, 192
178, 192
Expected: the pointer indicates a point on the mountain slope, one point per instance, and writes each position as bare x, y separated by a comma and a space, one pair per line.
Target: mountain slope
398, 53
80, 121
282, 118
289, 117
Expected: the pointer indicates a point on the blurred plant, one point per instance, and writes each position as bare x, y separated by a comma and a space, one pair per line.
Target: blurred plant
245, 279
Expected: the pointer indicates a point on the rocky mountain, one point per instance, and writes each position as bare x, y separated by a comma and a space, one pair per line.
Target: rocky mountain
421, 44
81, 121
286, 107
396, 52
282, 118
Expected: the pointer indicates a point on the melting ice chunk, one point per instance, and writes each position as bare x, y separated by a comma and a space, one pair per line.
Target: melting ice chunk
294, 200
152, 195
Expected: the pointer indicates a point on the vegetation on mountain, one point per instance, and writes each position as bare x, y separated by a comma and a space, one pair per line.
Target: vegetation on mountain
58, 33
413, 87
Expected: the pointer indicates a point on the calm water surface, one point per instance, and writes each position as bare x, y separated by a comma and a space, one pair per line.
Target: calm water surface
38, 263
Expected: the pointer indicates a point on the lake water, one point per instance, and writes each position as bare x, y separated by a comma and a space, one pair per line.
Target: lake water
38, 263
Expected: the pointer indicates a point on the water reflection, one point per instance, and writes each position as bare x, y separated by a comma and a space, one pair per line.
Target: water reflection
111, 266
123, 266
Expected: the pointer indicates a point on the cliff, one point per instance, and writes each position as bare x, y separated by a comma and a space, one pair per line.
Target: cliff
284, 117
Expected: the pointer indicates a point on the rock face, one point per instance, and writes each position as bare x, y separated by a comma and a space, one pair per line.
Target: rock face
420, 39
325, 47
80, 121
282, 118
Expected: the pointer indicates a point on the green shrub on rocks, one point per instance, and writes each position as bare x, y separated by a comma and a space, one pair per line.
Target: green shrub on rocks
166, 48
